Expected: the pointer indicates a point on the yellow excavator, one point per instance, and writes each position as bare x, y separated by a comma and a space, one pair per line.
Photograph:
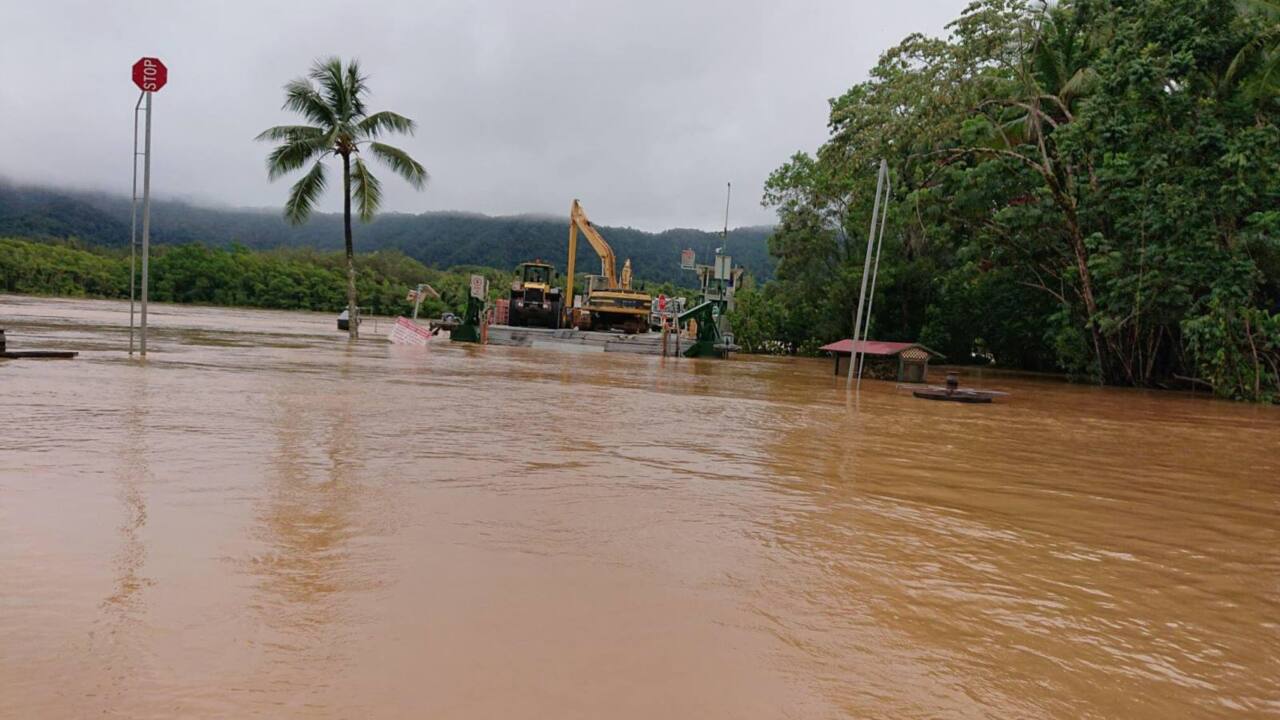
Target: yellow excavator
609, 301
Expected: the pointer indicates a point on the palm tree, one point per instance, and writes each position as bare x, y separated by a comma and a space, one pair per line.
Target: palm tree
331, 98
1256, 67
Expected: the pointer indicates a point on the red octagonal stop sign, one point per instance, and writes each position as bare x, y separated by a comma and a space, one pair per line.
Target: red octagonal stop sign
149, 74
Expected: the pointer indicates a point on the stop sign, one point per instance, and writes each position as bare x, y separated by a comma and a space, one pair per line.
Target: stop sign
149, 74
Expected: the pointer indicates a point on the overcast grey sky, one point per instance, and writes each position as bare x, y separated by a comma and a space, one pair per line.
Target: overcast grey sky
642, 109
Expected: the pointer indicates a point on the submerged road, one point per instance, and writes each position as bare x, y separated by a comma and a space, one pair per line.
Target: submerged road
265, 521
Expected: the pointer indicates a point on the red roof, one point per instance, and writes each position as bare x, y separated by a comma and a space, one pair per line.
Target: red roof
871, 347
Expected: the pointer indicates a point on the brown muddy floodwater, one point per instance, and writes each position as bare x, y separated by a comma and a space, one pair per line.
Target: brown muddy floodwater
264, 521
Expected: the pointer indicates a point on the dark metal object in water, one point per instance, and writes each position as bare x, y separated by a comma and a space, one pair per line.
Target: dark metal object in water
18, 354
953, 393
962, 396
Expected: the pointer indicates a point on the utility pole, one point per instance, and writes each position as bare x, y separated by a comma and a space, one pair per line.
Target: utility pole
881, 174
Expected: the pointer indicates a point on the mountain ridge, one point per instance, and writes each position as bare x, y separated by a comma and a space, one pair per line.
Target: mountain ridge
442, 239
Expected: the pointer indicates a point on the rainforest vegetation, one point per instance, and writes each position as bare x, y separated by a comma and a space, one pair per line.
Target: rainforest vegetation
1091, 186
283, 279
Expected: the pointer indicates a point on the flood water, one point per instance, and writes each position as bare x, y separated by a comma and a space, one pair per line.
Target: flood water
264, 521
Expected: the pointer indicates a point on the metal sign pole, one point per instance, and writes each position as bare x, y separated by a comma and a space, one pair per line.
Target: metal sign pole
149, 75
726, 283
133, 222
418, 294
146, 225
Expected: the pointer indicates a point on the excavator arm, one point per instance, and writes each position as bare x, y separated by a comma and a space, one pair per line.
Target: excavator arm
608, 263
578, 222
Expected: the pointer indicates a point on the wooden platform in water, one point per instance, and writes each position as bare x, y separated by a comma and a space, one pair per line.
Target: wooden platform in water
580, 340
49, 354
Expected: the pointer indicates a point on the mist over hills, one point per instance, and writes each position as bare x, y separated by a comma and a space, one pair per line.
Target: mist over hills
440, 239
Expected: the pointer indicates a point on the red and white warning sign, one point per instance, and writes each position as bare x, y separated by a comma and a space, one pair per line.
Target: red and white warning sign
408, 332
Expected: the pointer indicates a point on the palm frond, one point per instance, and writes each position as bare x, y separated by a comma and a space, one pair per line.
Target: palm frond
1012, 133
301, 97
1047, 56
1267, 8
1082, 83
366, 189
1263, 46
341, 87
399, 161
290, 133
385, 122
294, 154
304, 193
327, 73
1265, 83
355, 88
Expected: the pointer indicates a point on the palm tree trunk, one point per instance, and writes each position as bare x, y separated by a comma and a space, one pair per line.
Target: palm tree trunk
353, 322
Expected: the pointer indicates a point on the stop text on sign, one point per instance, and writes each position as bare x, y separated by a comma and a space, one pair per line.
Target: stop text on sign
149, 74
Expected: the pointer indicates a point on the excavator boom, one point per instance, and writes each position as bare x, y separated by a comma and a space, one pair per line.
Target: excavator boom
617, 299
578, 222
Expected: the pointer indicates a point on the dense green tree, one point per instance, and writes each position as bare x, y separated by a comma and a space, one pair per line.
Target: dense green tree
331, 98
1089, 186
60, 269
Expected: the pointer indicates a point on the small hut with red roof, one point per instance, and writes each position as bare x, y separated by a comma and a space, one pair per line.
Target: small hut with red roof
905, 362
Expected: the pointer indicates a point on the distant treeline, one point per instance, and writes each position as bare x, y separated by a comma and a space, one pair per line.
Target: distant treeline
284, 279
438, 239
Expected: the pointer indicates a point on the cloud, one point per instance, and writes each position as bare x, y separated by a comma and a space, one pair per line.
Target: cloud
644, 110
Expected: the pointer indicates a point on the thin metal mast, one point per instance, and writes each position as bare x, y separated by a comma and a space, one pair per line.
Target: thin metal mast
724, 236
866, 269
871, 297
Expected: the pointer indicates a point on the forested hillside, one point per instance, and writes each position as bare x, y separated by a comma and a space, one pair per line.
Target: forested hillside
283, 278
442, 240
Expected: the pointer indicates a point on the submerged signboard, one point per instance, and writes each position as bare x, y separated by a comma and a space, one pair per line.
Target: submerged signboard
408, 332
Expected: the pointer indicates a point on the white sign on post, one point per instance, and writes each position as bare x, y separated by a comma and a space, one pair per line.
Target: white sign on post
687, 259
479, 287
724, 263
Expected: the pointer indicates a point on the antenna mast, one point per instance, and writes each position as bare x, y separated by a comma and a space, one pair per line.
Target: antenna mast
724, 236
